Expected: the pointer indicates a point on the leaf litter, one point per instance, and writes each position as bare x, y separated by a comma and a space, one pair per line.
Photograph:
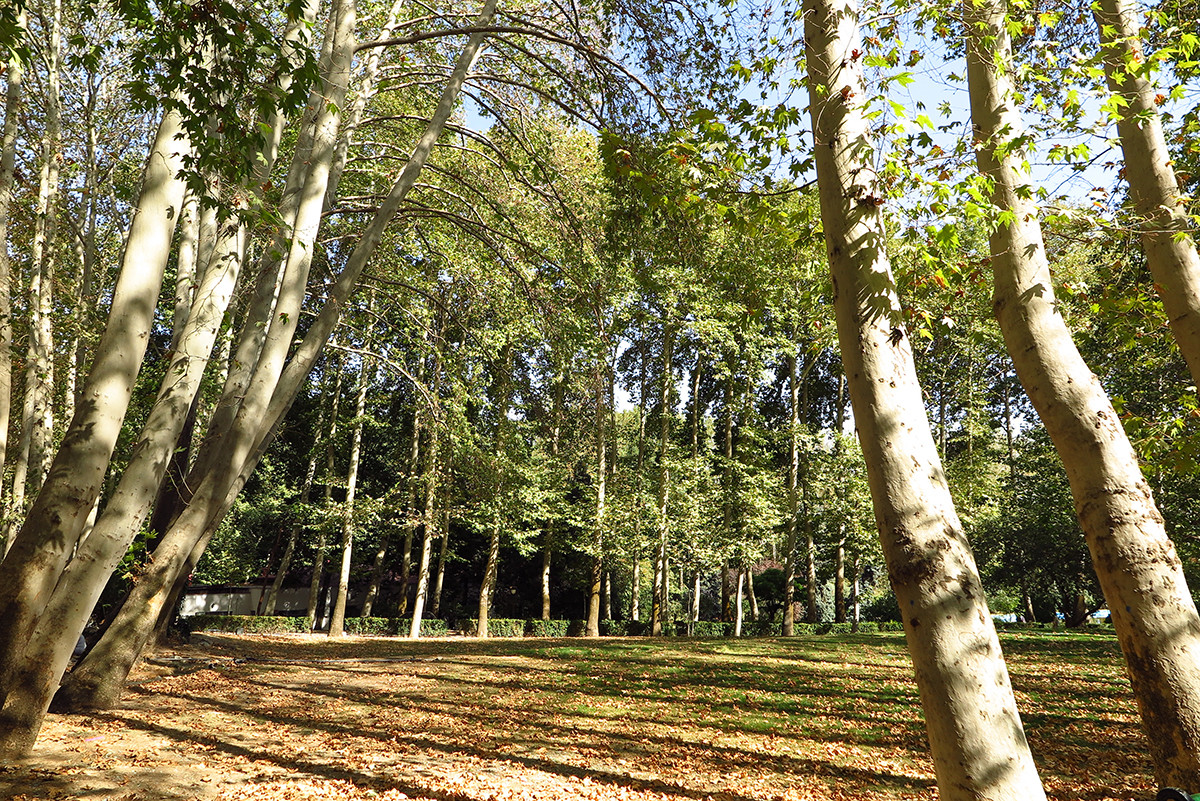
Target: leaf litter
804, 719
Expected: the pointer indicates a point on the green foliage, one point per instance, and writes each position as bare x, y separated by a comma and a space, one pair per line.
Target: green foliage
623, 628
536, 627
497, 627
711, 628
245, 624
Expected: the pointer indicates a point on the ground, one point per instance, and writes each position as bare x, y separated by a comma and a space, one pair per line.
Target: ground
273, 718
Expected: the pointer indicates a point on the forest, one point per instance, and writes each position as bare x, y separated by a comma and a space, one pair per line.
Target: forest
655, 317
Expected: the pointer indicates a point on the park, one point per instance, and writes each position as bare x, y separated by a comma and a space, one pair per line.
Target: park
811, 717
605, 398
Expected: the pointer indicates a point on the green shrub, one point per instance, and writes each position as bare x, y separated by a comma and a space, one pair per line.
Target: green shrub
546, 628
623, 628
430, 626
807, 629
497, 627
576, 627
760, 628
373, 626
711, 628
868, 627
246, 624
891, 625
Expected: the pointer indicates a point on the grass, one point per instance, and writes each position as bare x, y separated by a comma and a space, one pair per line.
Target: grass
830, 717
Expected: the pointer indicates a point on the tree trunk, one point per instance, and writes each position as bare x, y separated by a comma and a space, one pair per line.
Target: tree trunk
1168, 235
15, 76
793, 521
314, 589
750, 596
1141, 576
337, 619
441, 571
99, 683
695, 615
34, 564
593, 610
410, 517
432, 484
659, 611
975, 735
737, 604
839, 576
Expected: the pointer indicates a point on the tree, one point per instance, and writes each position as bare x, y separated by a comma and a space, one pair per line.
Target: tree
975, 735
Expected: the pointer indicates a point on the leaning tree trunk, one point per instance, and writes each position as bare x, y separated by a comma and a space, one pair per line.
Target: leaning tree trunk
1141, 576
98, 684
34, 564
975, 734
1168, 233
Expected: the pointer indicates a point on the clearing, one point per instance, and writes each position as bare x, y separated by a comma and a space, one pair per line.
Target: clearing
274, 718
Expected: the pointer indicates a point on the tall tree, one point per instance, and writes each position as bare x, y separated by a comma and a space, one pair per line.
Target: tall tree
1153, 611
975, 734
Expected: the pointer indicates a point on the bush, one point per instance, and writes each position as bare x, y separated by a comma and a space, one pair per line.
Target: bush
806, 629
430, 626
891, 625
868, 627
576, 627
762, 628
623, 628
711, 628
503, 627
374, 626
546, 628
833, 628
246, 624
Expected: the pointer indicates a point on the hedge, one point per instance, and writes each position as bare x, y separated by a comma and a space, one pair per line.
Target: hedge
246, 624
711, 628
394, 626
547, 628
623, 628
497, 627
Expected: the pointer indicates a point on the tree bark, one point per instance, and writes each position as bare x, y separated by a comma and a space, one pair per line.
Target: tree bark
975, 735
659, 610
432, 485
15, 76
51, 530
1155, 618
793, 521
338, 618
313, 613
1168, 234
99, 684
592, 628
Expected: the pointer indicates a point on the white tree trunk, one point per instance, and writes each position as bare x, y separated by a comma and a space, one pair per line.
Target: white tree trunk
98, 680
975, 735
52, 527
337, 619
1168, 234
1141, 576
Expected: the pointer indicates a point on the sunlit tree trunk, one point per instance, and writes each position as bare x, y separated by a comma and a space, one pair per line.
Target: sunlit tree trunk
338, 618
975, 734
15, 77
52, 527
268, 398
310, 475
314, 589
793, 521
592, 628
432, 486
1168, 234
659, 610
737, 604
1152, 610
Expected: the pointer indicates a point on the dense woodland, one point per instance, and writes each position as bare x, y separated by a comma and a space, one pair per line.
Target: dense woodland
627, 311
